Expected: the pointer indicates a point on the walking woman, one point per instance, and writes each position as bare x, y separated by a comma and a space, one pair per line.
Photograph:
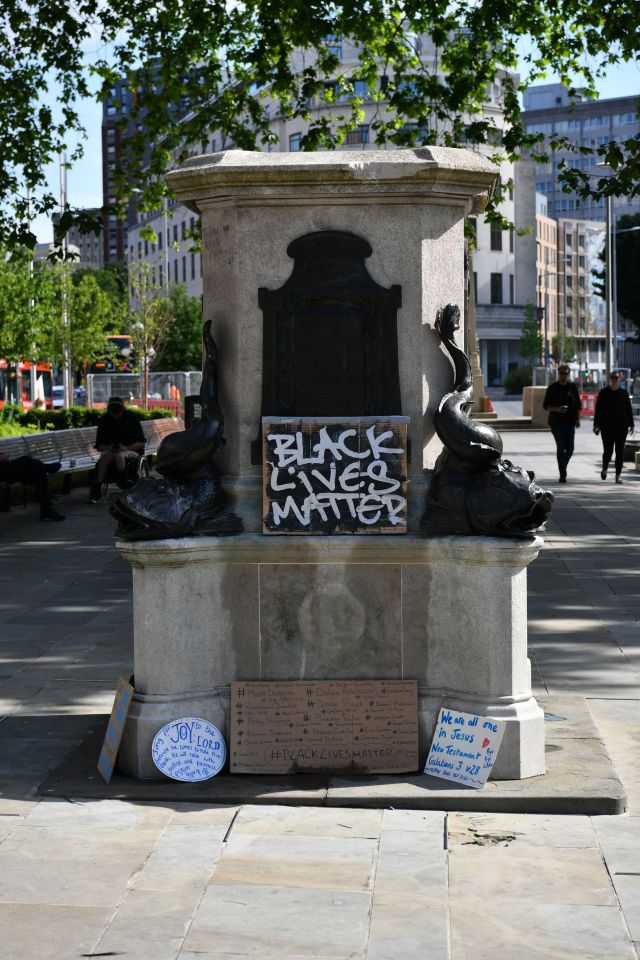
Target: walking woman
614, 420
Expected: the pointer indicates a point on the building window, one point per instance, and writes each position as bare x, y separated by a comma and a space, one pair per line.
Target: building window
496, 288
294, 142
183, 230
184, 269
361, 89
511, 289
193, 266
510, 239
175, 270
146, 248
160, 240
359, 135
496, 241
334, 46
475, 287
175, 233
568, 241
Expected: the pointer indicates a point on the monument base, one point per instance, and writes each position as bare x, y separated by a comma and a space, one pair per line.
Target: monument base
449, 612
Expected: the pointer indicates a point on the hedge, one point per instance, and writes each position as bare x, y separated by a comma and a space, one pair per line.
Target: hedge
68, 418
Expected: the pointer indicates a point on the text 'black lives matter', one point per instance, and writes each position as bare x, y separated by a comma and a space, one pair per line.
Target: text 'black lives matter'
335, 476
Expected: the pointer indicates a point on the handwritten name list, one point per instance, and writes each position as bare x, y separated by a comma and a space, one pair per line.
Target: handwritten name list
304, 726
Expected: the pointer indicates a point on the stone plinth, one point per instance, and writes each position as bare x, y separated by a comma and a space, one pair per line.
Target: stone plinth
532, 400
409, 205
449, 612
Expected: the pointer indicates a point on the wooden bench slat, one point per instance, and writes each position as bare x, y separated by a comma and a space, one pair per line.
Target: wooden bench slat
42, 446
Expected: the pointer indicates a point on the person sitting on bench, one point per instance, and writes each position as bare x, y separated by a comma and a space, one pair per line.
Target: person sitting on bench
35, 473
120, 440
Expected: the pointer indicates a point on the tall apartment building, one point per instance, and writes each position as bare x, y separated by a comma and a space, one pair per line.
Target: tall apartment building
548, 109
88, 248
115, 107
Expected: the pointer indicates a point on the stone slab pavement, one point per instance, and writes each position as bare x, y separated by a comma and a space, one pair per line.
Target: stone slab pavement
185, 881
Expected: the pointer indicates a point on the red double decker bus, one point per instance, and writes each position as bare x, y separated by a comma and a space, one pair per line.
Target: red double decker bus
16, 383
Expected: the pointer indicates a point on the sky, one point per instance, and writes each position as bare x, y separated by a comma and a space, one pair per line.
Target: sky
84, 180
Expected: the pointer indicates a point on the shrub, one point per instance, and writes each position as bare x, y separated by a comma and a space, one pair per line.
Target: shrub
70, 418
517, 379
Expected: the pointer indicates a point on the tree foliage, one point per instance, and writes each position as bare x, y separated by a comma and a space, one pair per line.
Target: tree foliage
90, 315
150, 313
531, 340
563, 348
31, 314
182, 346
223, 67
111, 278
29, 305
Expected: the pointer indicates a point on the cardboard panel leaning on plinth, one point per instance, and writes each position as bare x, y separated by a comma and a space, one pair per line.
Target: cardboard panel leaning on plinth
409, 205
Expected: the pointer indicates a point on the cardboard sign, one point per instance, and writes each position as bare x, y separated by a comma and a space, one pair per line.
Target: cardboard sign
464, 747
115, 729
335, 476
189, 749
356, 726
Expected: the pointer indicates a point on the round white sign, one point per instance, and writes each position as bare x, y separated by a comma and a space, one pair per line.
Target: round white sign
189, 749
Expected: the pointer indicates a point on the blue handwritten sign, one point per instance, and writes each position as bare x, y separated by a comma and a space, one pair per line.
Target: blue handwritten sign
464, 747
189, 749
115, 729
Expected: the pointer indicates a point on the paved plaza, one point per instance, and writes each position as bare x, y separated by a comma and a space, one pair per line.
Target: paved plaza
168, 880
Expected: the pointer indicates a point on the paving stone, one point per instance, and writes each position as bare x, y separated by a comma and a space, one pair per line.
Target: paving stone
297, 861
486, 929
42, 931
545, 875
197, 814
411, 870
522, 830
315, 821
25, 755
283, 922
619, 839
119, 814
628, 891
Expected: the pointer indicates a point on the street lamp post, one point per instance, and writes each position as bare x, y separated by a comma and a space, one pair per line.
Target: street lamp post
67, 382
609, 353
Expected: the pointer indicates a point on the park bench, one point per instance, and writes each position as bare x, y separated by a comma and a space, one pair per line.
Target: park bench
75, 449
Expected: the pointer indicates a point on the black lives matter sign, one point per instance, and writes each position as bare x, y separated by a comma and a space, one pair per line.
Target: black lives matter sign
335, 476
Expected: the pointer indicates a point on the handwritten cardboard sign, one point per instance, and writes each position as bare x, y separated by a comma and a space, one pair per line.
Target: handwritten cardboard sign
115, 729
189, 749
464, 747
335, 476
359, 726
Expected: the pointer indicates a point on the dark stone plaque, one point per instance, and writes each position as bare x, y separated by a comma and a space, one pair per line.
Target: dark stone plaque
329, 335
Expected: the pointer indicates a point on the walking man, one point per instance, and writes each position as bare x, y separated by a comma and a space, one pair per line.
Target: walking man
614, 420
562, 400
